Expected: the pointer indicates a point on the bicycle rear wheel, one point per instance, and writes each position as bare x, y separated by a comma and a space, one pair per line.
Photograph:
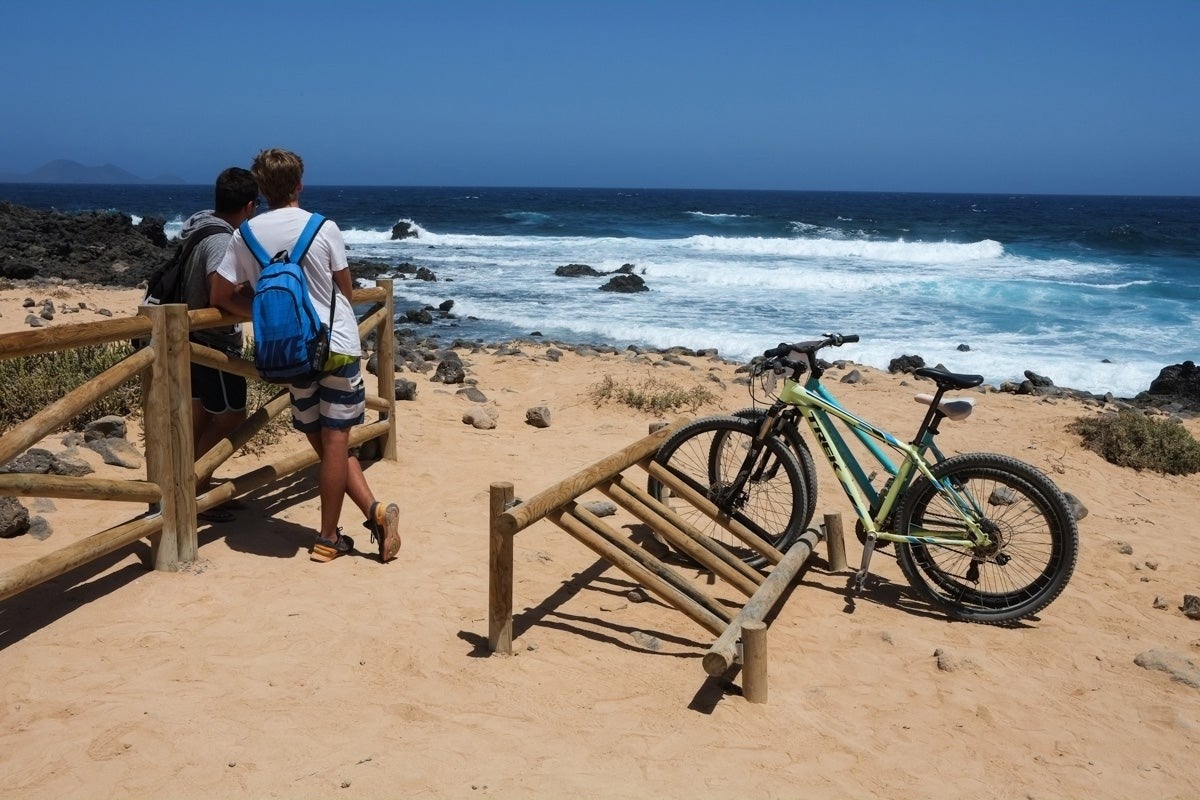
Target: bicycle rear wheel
1036, 540
708, 456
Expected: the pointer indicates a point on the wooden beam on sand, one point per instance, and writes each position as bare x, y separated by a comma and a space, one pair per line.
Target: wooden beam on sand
721, 656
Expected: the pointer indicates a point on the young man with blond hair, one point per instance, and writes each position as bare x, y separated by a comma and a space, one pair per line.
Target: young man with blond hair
326, 408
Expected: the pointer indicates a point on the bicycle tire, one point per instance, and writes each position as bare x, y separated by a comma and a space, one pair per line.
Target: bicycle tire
795, 441
1032, 560
708, 454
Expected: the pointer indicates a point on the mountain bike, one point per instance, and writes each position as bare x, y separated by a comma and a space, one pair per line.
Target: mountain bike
983, 536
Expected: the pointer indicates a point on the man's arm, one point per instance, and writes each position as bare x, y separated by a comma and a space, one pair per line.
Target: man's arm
228, 296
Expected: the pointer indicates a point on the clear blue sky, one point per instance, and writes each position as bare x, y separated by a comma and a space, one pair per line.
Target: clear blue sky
1030, 96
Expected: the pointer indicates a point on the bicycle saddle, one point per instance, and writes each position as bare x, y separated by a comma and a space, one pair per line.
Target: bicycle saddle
954, 408
949, 380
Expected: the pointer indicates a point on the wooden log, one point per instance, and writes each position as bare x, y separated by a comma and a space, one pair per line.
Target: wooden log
500, 573
28, 484
385, 369
66, 337
281, 467
223, 450
648, 561
216, 359
681, 535
754, 674
706, 507
56, 415
541, 504
721, 655
647, 579
835, 542
75, 555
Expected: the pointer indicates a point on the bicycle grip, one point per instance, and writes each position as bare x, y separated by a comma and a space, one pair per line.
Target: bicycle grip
850, 338
775, 352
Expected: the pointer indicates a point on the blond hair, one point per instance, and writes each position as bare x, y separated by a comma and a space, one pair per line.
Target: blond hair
278, 174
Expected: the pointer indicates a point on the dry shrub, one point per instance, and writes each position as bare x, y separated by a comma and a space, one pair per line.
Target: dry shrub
651, 395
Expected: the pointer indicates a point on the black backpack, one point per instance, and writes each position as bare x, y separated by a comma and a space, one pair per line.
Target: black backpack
166, 283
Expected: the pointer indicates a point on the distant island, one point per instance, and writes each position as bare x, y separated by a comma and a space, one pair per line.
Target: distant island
64, 170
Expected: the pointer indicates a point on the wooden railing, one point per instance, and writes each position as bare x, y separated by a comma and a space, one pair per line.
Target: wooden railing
172, 469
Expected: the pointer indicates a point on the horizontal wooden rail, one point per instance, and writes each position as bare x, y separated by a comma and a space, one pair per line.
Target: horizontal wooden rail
709, 509
29, 484
702, 549
541, 504
75, 555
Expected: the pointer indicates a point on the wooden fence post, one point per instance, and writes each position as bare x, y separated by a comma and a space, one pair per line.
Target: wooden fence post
170, 461
385, 369
835, 543
754, 659
500, 573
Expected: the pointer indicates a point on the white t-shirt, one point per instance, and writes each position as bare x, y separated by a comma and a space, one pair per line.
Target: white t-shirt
278, 230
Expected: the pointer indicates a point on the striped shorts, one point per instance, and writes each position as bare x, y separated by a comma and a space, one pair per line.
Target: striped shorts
336, 400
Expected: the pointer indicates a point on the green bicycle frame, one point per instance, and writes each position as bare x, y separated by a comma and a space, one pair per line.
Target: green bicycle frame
820, 410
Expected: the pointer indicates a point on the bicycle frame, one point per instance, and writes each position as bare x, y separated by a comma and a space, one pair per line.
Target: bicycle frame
821, 411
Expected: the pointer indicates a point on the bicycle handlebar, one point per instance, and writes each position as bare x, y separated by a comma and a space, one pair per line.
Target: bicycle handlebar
810, 347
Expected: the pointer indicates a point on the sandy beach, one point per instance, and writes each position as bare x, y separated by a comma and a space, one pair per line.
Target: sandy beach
256, 673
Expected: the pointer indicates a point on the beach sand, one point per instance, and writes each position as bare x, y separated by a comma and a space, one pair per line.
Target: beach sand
255, 672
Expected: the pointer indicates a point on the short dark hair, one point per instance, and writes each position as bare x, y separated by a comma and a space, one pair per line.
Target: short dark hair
235, 188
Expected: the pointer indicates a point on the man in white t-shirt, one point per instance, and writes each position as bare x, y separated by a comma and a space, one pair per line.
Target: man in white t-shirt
327, 408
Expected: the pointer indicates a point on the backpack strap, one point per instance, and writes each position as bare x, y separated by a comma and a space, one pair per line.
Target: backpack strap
315, 221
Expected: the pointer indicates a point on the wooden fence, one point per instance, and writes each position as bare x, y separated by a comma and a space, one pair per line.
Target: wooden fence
559, 505
172, 469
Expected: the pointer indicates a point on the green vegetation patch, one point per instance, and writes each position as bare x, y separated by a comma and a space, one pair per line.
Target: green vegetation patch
30, 383
1131, 439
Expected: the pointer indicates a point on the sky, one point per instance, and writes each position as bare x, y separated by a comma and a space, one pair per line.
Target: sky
1010, 96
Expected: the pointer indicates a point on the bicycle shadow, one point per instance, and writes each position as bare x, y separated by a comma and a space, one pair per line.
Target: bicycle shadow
879, 591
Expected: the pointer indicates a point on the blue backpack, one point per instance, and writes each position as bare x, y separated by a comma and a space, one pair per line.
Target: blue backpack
291, 344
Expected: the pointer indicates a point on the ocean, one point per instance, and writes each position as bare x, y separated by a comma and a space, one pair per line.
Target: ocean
1095, 293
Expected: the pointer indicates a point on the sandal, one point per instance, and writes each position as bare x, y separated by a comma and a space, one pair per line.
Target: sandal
324, 550
386, 531
217, 514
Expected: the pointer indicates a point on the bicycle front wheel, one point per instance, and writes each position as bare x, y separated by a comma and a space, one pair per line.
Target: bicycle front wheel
1035, 541
786, 430
760, 487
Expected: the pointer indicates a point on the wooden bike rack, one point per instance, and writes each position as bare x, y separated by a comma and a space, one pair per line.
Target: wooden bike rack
559, 504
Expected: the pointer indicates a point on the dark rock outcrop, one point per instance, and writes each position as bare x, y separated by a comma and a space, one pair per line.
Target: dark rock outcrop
907, 364
404, 230
92, 247
1178, 380
627, 284
577, 271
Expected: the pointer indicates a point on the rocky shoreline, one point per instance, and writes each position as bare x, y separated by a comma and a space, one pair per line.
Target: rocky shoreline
107, 249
